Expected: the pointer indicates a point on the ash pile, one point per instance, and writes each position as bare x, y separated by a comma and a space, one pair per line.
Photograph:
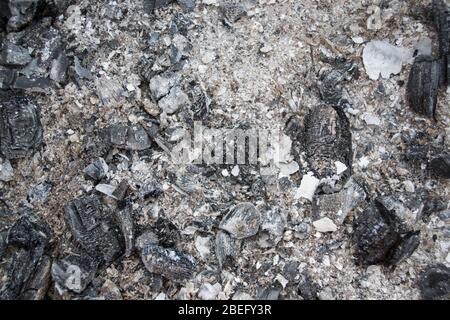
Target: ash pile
95, 96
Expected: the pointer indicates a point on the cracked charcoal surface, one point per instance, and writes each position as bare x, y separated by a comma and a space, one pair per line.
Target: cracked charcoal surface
104, 91
93, 229
328, 139
380, 237
21, 131
423, 85
25, 263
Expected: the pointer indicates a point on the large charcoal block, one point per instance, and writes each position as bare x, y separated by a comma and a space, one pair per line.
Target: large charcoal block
328, 139
423, 85
26, 274
93, 229
381, 238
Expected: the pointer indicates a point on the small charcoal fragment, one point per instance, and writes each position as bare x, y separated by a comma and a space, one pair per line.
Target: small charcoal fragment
93, 229
242, 221
169, 263
307, 288
12, 55
168, 233
435, 283
20, 127
337, 206
328, 139
39, 192
440, 166
330, 82
381, 238
121, 190
58, 71
126, 222
129, 137
423, 85
151, 190
97, 170
74, 272
227, 248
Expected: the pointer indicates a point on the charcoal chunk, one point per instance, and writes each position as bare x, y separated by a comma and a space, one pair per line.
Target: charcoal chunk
126, 222
93, 229
307, 288
22, 13
435, 283
20, 127
381, 238
227, 248
169, 263
441, 17
129, 137
423, 85
328, 139
97, 170
39, 192
242, 221
27, 265
440, 166
330, 84
74, 272
12, 55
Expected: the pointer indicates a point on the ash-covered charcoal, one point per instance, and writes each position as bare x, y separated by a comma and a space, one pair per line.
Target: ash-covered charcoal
227, 249
440, 166
151, 190
330, 87
307, 288
125, 218
338, 205
174, 101
232, 10
97, 170
241, 221
39, 192
328, 140
435, 283
60, 65
381, 238
26, 265
7, 78
151, 5
12, 55
24, 12
441, 17
93, 229
187, 5
169, 263
423, 85
273, 224
199, 101
168, 233
98, 143
74, 272
129, 137
20, 127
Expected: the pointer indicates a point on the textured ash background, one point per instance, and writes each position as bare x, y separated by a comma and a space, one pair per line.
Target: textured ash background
259, 71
